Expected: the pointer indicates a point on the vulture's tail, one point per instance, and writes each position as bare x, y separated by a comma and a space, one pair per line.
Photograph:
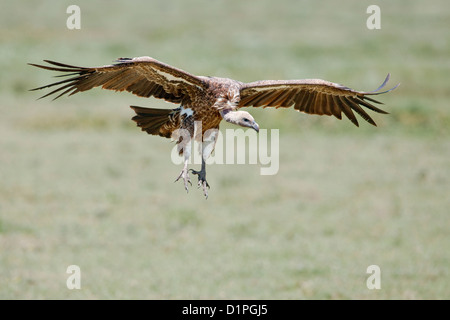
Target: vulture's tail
160, 122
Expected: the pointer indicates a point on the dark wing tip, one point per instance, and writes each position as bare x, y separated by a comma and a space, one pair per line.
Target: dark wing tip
59, 64
37, 65
67, 84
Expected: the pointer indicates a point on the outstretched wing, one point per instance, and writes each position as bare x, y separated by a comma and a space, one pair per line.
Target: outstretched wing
313, 96
143, 76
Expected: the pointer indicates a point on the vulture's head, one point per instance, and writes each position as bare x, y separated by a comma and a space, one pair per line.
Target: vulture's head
241, 118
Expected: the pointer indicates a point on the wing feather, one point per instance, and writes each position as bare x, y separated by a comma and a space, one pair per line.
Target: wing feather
317, 108
262, 99
358, 109
301, 96
335, 109
326, 107
274, 98
309, 101
368, 105
312, 96
142, 76
346, 110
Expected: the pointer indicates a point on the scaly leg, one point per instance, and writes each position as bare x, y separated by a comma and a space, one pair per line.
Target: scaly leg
207, 147
186, 148
185, 175
202, 178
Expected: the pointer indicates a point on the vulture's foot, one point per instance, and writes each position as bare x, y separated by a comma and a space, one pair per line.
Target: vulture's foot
202, 181
185, 175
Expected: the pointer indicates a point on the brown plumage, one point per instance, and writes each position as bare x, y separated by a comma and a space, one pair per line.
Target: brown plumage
208, 99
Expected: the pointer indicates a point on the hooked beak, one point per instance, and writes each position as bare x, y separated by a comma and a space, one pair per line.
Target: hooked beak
255, 126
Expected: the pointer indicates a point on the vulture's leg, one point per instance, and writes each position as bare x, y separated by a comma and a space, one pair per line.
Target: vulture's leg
208, 144
185, 175
185, 172
202, 178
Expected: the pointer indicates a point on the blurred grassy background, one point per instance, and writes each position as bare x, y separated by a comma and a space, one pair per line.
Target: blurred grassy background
80, 184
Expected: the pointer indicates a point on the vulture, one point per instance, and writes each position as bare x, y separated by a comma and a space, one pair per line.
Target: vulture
207, 100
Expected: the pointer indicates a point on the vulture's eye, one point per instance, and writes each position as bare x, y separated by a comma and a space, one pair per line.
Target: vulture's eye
246, 120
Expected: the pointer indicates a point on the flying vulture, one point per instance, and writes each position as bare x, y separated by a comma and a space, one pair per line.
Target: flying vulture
208, 99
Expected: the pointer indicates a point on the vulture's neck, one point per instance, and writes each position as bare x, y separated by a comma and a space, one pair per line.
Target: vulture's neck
229, 116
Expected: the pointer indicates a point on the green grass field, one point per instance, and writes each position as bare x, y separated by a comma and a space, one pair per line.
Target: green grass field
81, 185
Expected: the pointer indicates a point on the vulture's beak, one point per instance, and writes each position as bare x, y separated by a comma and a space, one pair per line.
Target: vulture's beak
255, 126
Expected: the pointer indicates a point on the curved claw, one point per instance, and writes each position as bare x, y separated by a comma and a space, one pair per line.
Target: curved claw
202, 181
204, 185
185, 175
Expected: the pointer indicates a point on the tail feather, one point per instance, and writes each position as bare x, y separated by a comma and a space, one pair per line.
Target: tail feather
154, 121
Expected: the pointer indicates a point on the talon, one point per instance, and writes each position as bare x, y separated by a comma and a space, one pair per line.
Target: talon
202, 181
185, 175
